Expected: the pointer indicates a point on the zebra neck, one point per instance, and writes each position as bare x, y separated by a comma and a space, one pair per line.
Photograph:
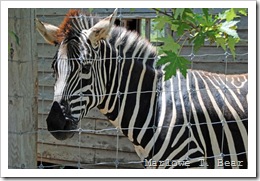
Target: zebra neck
131, 82
131, 93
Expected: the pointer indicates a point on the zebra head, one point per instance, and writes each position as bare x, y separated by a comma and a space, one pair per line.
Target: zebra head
76, 87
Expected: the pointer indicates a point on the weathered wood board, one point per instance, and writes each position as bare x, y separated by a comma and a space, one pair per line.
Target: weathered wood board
22, 89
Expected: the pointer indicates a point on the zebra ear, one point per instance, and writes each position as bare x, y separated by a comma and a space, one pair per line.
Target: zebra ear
102, 29
47, 31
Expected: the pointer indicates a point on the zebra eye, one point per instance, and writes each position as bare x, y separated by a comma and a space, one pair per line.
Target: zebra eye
86, 68
54, 67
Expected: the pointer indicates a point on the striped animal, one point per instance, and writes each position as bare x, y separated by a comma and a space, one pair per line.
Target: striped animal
199, 121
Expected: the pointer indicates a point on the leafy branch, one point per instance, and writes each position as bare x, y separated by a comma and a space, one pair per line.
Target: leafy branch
196, 28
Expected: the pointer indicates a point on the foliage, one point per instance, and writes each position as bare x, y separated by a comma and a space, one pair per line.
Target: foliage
171, 66
195, 28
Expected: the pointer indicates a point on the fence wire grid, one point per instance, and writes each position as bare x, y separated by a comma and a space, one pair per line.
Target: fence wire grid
79, 147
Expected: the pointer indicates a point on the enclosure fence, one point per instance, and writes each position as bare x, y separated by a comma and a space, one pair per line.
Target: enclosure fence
38, 139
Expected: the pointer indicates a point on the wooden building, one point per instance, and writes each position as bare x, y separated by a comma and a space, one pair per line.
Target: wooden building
100, 145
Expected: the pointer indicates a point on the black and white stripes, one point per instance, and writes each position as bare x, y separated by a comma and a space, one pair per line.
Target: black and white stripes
198, 121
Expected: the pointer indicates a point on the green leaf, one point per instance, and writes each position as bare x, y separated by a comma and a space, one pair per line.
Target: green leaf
169, 44
160, 22
181, 28
231, 45
188, 12
230, 14
178, 13
174, 27
242, 11
206, 12
226, 27
222, 16
172, 63
200, 19
199, 41
222, 42
190, 18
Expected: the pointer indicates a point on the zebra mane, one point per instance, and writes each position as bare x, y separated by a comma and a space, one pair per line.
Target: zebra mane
120, 35
74, 22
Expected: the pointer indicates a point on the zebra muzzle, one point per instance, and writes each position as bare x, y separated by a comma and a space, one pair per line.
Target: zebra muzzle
59, 125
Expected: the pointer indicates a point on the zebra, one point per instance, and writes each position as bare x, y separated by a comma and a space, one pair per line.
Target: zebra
197, 121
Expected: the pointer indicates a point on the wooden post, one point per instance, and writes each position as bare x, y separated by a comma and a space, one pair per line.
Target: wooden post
148, 29
22, 89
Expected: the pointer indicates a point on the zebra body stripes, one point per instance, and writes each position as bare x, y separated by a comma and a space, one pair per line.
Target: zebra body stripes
198, 121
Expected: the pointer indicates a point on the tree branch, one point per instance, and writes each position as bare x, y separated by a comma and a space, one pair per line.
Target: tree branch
161, 12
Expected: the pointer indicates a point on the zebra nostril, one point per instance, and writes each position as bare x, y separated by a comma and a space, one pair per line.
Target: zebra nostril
63, 108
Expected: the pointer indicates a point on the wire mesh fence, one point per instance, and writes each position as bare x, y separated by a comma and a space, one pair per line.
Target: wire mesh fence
96, 143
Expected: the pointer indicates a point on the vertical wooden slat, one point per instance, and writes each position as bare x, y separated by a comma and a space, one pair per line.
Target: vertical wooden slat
148, 28
168, 31
22, 89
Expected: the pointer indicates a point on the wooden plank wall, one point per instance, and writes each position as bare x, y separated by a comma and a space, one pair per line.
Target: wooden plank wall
100, 149
22, 89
